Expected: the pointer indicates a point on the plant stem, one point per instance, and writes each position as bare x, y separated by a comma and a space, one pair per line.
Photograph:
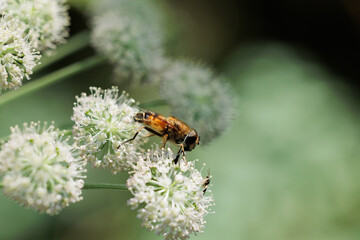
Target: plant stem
75, 43
52, 78
98, 186
105, 186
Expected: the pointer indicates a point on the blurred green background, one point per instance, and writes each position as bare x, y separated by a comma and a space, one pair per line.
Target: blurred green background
288, 165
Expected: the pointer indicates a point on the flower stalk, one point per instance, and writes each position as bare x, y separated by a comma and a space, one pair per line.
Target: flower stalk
98, 186
52, 78
104, 186
75, 43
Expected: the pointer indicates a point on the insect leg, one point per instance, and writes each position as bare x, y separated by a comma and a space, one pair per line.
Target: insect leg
176, 159
181, 150
131, 138
164, 140
149, 135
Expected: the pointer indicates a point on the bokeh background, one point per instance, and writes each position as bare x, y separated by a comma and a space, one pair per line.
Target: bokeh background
288, 165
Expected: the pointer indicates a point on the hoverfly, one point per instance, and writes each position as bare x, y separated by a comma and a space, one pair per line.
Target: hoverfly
170, 129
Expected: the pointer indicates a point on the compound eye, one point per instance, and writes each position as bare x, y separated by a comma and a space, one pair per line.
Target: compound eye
190, 140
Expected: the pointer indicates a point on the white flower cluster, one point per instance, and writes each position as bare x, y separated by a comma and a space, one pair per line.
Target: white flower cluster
198, 97
26, 27
104, 120
17, 58
130, 40
46, 20
40, 169
170, 196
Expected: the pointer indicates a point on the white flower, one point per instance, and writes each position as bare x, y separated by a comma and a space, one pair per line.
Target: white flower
132, 43
47, 20
40, 169
104, 120
199, 97
170, 196
17, 59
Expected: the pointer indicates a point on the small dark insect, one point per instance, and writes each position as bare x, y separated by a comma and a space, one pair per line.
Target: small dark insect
170, 129
206, 182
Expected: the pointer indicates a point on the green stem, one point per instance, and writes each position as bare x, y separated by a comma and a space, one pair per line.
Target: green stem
75, 43
98, 186
52, 78
154, 103
105, 186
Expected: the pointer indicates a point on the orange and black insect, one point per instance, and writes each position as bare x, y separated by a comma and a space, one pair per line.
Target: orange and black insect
206, 183
170, 129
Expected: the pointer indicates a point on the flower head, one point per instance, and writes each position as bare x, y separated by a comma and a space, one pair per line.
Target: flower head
170, 195
198, 97
104, 120
40, 169
46, 20
127, 35
17, 59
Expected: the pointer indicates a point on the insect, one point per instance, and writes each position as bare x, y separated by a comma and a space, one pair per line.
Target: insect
170, 129
206, 182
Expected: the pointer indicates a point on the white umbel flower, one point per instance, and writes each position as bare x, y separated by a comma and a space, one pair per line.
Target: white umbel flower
47, 20
130, 44
40, 169
17, 59
198, 97
104, 120
170, 196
